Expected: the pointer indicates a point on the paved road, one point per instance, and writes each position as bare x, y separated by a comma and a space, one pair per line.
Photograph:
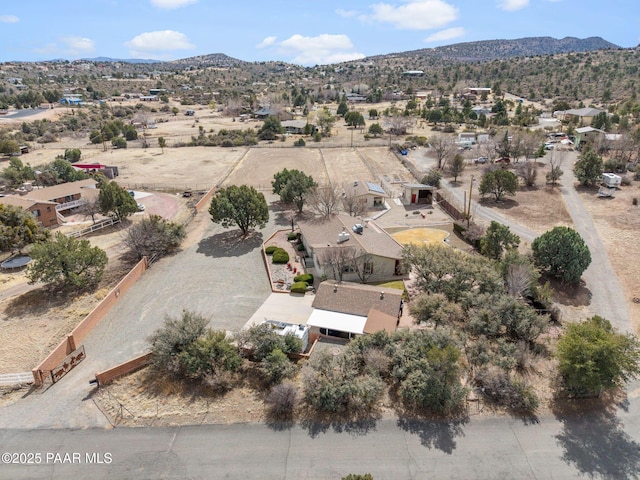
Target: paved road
560, 447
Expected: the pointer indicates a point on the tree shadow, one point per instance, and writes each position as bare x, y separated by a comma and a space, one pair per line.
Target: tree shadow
356, 424
504, 204
229, 244
593, 440
434, 433
568, 294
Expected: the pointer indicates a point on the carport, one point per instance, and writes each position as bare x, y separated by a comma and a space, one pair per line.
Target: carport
417, 193
334, 324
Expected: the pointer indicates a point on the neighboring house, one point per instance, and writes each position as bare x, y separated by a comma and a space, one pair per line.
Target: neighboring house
376, 255
44, 211
294, 126
369, 194
467, 137
356, 97
584, 115
66, 195
583, 134
264, 113
347, 309
417, 193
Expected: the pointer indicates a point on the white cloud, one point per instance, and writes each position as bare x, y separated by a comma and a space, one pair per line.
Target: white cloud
512, 5
156, 44
78, 45
320, 50
268, 41
9, 19
448, 34
415, 15
171, 4
346, 13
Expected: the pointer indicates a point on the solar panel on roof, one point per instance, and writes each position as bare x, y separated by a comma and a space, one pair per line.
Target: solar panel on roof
374, 187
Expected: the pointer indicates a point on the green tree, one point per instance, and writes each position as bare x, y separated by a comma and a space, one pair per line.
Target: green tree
18, 228
497, 240
174, 111
9, 147
325, 121
276, 366
594, 357
65, 171
72, 154
154, 236
17, 172
293, 186
260, 340
375, 129
66, 262
499, 183
373, 113
210, 354
589, 168
270, 129
119, 142
562, 253
343, 108
456, 166
242, 206
162, 143
113, 199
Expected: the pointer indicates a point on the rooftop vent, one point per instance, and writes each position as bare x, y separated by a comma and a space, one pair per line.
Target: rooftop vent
343, 237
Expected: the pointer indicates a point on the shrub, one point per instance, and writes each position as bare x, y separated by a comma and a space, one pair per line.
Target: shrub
293, 236
459, 228
299, 143
270, 250
305, 277
119, 142
261, 340
300, 247
282, 400
433, 178
276, 366
501, 389
280, 256
299, 287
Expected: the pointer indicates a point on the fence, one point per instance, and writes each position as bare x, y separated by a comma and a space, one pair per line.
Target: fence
449, 208
107, 376
107, 222
70, 343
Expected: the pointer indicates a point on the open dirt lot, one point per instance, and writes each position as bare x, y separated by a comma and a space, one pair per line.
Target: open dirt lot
260, 164
618, 223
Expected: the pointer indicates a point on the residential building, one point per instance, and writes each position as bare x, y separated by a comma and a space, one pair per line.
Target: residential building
417, 193
343, 309
44, 211
341, 248
370, 194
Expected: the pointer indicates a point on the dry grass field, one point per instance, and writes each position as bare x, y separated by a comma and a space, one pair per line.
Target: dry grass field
618, 223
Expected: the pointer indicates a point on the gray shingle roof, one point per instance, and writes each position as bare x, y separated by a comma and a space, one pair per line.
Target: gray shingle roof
356, 298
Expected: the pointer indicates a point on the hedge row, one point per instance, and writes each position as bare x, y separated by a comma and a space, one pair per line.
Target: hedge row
299, 287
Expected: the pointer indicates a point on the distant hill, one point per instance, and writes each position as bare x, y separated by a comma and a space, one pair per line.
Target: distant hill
211, 60
487, 50
121, 60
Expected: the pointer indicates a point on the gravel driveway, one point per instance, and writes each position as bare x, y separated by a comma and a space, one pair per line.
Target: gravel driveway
216, 274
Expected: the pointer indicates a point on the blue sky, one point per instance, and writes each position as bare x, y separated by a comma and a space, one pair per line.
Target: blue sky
303, 32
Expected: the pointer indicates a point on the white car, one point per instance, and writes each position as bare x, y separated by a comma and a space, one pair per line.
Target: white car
141, 207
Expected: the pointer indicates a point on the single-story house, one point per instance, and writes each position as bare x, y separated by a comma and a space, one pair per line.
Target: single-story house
417, 193
584, 115
294, 126
587, 133
44, 211
344, 309
479, 110
369, 194
343, 249
467, 137
356, 97
266, 112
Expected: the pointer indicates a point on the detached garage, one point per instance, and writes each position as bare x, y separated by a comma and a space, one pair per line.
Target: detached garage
417, 193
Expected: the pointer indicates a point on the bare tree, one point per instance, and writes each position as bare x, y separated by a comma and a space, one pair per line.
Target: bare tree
518, 280
529, 172
143, 118
364, 265
91, 207
353, 205
398, 124
443, 147
324, 201
556, 159
338, 260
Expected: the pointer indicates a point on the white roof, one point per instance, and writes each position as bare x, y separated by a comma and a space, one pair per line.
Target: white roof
342, 322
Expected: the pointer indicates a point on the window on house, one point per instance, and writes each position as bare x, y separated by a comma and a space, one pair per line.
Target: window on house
36, 213
368, 268
348, 269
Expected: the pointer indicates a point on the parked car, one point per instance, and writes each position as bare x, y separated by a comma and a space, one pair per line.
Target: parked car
481, 160
141, 207
505, 160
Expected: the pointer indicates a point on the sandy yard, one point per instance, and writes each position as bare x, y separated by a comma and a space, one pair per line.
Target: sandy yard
618, 223
260, 164
345, 165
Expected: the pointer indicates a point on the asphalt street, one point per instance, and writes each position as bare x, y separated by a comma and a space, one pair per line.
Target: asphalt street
595, 446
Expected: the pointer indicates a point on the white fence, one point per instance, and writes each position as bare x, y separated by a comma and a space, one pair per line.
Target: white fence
7, 379
96, 226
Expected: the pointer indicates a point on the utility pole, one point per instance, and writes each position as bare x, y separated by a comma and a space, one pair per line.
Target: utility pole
469, 207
